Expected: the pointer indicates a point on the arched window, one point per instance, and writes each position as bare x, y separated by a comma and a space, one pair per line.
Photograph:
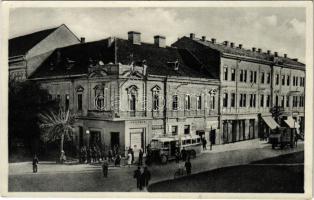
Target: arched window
155, 97
132, 97
187, 102
99, 97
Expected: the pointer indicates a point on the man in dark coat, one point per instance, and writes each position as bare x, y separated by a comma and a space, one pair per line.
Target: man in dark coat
146, 177
35, 162
137, 175
188, 167
204, 143
177, 154
212, 139
183, 154
140, 157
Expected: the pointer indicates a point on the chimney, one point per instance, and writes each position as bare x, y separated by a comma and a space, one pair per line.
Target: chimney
285, 55
276, 54
240, 46
192, 35
232, 44
213, 40
134, 37
226, 43
82, 39
268, 52
203, 38
259, 50
253, 49
160, 41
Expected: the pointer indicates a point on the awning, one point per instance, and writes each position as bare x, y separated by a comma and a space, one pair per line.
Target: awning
291, 123
271, 123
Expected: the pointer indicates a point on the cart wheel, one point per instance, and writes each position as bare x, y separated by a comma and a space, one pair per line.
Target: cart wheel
164, 159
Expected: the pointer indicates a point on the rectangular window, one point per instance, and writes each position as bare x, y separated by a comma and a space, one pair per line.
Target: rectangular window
241, 75
254, 100
288, 80
174, 102
263, 78
244, 100
225, 73
287, 101
262, 101
300, 102
199, 102
232, 99
255, 77
187, 102
293, 81
241, 100
245, 75
174, 130
225, 100
283, 80
277, 99
67, 101
268, 78
186, 129
79, 102
251, 76
268, 101
212, 102
296, 81
232, 74
251, 100
277, 79
283, 101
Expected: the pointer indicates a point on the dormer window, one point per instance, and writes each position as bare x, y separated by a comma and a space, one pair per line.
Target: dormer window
174, 65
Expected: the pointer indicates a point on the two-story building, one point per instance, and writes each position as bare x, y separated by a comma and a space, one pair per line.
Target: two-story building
126, 92
252, 82
27, 52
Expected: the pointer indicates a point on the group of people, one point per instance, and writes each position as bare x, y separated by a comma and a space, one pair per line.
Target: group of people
95, 154
142, 176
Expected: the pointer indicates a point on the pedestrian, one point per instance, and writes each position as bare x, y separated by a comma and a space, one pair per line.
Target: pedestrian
177, 155
183, 154
140, 157
212, 139
62, 157
204, 143
117, 160
94, 152
188, 167
132, 154
129, 159
137, 176
146, 177
110, 155
84, 155
89, 155
105, 167
35, 162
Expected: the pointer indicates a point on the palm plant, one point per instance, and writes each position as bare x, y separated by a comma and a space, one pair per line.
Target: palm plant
57, 126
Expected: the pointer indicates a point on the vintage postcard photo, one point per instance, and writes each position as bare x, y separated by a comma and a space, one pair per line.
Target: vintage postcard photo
158, 99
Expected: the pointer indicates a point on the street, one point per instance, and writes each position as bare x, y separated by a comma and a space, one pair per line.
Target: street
85, 177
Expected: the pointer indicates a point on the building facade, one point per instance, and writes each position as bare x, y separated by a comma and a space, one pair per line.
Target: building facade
125, 92
252, 83
27, 52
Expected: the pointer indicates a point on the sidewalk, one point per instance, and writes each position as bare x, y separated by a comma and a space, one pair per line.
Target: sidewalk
84, 177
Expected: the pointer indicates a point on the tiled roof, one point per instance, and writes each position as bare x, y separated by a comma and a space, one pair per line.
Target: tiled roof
246, 52
20, 45
157, 59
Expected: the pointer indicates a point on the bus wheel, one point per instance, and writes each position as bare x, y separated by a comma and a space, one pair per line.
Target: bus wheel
164, 159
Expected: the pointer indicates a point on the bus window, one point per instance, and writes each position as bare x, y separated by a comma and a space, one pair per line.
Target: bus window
193, 141
183, 142
198, 140
188, 141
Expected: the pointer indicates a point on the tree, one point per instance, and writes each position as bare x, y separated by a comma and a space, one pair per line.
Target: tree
26, 100
57, 126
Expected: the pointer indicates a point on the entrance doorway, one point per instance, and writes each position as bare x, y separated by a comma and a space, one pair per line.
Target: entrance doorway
95, 139
137, 140
114, 140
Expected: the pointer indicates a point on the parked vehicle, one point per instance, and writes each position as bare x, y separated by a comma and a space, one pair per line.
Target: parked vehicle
163, 149
282, 137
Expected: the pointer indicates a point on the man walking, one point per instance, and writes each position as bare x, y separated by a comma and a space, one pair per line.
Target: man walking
35, 162
137, 175
140, 157
204, 143
188, 166
183, 154
212, 139
146, 177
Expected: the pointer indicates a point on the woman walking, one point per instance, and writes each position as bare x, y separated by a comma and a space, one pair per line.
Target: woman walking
129, 159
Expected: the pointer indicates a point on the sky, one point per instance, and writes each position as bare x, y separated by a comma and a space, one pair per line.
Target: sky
280, 29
